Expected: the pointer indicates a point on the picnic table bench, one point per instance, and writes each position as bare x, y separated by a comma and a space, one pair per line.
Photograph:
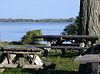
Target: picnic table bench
89, 64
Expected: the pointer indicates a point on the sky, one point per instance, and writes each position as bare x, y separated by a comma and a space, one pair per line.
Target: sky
39, 9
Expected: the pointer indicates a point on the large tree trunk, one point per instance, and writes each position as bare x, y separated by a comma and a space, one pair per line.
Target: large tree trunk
90, 17
89, 25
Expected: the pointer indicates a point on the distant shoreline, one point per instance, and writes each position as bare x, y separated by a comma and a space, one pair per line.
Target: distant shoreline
37, 20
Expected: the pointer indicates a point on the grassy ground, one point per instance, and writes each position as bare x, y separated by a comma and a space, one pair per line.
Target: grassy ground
64, 64
4, 43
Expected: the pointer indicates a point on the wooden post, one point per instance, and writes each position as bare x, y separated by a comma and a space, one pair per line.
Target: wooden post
45, 54
8, 58
21, 62
48, 44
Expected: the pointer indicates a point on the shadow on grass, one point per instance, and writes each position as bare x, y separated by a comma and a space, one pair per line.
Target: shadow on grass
28, 71
62, 72
50, 72
68, 54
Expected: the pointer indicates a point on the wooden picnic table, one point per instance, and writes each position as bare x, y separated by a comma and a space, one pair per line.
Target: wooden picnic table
89, 64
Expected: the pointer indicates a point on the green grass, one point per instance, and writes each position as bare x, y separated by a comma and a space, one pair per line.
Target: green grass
12, 71
4, 43
19, 71
64, 64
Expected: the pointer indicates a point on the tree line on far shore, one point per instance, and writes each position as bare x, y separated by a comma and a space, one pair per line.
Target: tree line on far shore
36, 20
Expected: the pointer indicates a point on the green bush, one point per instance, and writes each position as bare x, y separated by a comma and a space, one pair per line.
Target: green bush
28, 38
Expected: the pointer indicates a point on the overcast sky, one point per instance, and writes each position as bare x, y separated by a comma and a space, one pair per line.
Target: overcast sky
39, 8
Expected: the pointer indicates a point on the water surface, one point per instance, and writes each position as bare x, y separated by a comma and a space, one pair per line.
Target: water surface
15, 31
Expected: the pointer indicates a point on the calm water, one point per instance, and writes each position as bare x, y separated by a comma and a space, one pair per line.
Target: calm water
15, 31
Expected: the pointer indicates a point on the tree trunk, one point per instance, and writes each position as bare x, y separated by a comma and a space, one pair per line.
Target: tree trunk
89, 25
89, 17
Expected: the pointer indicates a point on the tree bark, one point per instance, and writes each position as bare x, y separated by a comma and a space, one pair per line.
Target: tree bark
89, 17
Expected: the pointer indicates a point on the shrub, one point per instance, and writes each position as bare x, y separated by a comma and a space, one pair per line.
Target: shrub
28, 38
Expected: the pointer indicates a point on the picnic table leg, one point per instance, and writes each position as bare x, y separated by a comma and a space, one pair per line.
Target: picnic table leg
95, 68
89, 68
44, 71
8, 58
63, 52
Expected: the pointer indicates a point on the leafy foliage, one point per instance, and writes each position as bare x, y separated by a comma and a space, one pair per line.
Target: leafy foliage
72, 29
28, 38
